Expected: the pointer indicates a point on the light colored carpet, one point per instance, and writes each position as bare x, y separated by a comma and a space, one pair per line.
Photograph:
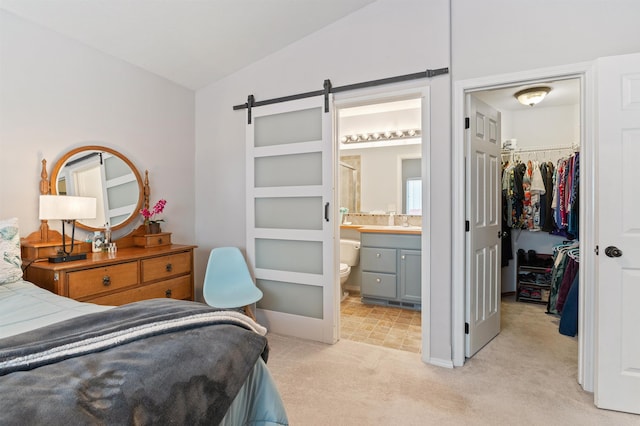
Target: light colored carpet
525, 376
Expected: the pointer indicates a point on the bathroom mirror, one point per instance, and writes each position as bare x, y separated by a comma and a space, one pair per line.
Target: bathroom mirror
107, 175
380, 147
380, 180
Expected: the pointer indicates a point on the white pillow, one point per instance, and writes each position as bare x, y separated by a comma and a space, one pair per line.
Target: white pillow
10, 259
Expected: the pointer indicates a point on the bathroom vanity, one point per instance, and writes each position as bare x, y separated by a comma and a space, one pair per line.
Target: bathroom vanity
391, 266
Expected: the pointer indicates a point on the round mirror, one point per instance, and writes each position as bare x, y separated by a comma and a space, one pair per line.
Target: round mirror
107, 175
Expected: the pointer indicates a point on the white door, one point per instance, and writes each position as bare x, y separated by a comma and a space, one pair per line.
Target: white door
290, 224
617, 384
483, 200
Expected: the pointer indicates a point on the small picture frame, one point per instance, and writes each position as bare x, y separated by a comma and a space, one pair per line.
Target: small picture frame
97, 241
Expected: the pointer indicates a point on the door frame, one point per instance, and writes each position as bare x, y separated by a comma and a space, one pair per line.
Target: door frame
585, 72
397, 91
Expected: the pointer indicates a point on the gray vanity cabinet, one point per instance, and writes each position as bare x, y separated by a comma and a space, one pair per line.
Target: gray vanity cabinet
391, 269
409, 275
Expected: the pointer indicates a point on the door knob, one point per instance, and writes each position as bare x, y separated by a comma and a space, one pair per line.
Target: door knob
613, 251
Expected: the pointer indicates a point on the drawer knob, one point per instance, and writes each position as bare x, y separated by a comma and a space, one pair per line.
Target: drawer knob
402, 257
378, 255
168, 293
169, 267
378, 280
160, 240
106, 280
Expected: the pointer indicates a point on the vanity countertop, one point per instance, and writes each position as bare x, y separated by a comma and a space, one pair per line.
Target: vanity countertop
381, 229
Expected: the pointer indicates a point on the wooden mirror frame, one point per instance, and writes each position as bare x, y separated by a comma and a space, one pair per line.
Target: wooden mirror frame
90, 148
46, 237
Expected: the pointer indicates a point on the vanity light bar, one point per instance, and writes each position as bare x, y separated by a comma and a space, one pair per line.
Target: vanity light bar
381, 136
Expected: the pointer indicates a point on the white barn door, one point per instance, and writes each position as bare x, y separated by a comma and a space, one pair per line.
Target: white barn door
483, 200
290, 223
617, 384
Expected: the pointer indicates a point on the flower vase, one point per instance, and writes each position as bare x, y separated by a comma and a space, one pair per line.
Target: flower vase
153, 228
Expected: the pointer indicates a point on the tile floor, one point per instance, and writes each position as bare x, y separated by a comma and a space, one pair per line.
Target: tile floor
379, 325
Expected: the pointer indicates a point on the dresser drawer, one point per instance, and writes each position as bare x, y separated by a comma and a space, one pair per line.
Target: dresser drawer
166, 266
378, 259
379, 285
176, 288
100, 280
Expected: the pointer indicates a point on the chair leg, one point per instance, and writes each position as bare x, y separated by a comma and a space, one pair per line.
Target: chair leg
248, 312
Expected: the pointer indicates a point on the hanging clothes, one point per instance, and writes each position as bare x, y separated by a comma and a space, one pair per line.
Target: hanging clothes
565, 269
565, 198
536, 190
569, 318
549, 223
543, 196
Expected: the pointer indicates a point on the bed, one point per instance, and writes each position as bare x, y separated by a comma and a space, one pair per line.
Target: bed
157, 361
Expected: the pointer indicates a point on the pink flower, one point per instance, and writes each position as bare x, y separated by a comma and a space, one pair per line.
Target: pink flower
157, 209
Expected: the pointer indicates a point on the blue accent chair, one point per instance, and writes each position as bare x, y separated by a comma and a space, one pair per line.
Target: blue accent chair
227, 281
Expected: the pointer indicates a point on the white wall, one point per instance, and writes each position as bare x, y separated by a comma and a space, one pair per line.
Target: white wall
385, 39
544, 126
57, 94
491, 37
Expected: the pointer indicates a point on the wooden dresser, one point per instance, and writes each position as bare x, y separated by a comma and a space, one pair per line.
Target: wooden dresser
128, 275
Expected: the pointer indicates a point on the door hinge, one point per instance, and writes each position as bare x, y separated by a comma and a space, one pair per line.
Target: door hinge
597, 250
466, 328
467, 123
466, 226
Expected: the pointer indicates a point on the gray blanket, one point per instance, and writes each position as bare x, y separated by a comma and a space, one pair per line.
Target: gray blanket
158, 361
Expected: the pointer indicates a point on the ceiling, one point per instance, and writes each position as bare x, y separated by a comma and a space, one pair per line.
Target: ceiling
190, 42
197, 42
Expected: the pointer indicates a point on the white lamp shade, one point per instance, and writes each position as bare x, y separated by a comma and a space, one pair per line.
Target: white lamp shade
66, 207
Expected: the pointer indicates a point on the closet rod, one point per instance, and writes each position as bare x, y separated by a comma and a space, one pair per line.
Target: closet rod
536, 149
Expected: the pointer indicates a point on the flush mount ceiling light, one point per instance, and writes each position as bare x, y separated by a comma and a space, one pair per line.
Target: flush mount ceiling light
532, 95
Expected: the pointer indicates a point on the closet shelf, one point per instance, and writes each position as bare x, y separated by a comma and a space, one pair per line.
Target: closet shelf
534, 279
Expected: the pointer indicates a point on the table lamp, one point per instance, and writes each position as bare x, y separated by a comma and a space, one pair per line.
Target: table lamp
67, 208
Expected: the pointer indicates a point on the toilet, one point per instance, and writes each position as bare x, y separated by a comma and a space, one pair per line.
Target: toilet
349, 256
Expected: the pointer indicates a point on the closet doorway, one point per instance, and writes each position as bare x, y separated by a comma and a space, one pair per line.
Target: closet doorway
539, 151
550, 130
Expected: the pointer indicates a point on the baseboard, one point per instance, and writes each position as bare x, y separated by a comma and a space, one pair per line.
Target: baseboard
446, 363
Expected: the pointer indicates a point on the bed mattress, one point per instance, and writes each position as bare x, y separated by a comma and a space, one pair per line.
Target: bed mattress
25, 306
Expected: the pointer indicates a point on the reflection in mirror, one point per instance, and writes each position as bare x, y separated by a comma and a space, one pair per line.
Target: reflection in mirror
350, 183
106, 175
412, 186
379, 179
385, 137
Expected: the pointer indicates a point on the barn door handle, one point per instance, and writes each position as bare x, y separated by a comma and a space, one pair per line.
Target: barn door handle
613, 251
326, 211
